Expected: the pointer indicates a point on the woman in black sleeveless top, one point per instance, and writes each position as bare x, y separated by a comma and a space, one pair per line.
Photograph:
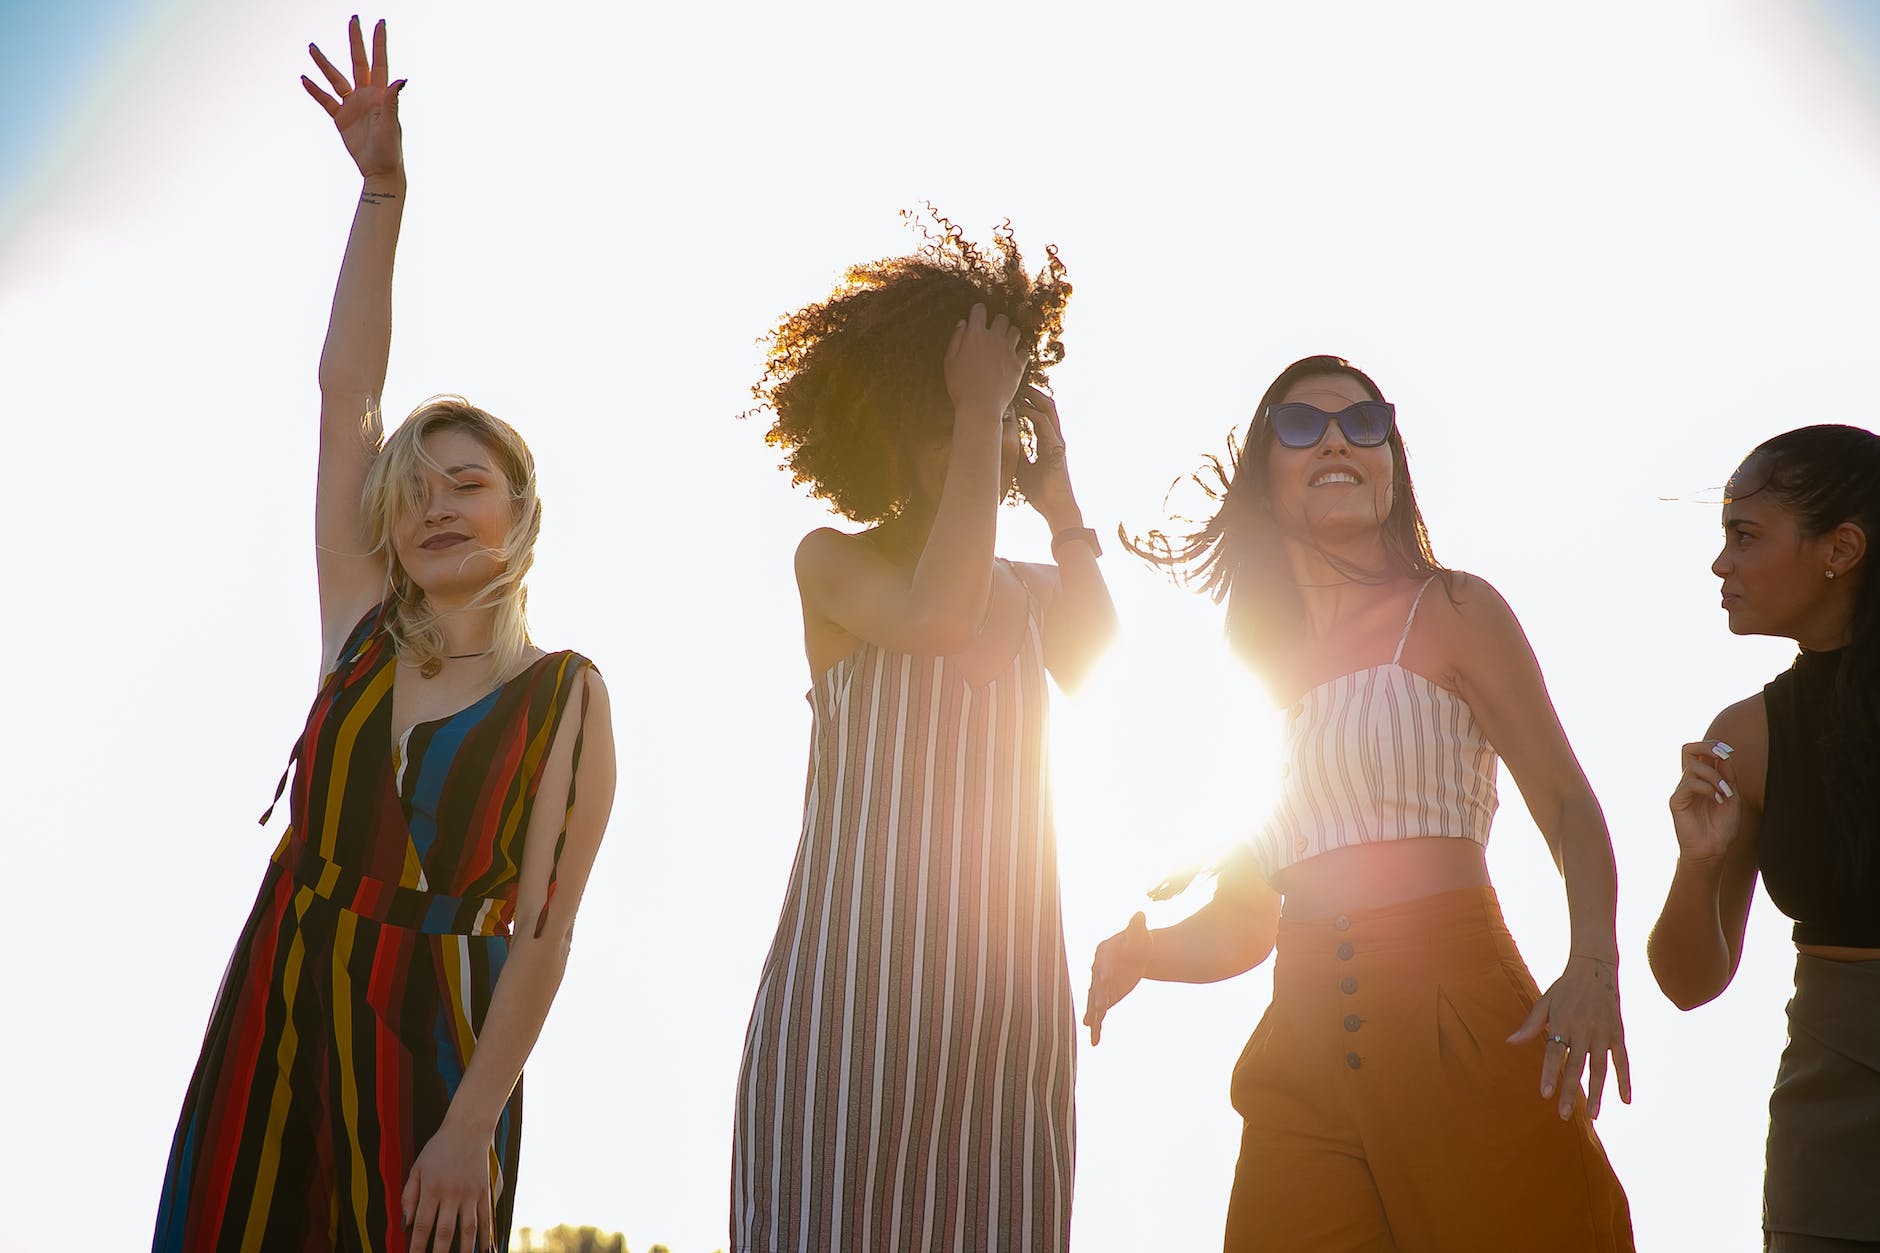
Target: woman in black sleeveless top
1784, 784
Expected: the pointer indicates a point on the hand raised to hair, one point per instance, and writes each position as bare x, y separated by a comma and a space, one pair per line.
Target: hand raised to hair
366, 110
983, 366
1045, 476
1706, 811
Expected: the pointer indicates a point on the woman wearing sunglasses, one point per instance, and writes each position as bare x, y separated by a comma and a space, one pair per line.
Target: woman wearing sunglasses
1409, 1087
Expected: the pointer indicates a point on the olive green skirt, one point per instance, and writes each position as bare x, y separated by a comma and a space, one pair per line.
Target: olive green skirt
1823, 1164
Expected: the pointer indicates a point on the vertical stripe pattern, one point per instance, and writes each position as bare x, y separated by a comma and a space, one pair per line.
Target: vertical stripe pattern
907, 1074
363, 974
1382, 753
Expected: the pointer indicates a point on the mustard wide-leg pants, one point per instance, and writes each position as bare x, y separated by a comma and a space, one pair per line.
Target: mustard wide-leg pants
1385, 1110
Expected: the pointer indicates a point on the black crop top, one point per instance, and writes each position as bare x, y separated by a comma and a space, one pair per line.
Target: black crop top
1808, 878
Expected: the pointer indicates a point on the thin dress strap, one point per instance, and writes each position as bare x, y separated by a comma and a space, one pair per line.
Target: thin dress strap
1405, 637
1024, 584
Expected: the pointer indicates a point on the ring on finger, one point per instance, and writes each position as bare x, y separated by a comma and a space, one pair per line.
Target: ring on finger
1561, 1040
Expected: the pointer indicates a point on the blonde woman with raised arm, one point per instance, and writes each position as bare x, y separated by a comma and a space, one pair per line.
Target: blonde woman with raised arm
359, 1085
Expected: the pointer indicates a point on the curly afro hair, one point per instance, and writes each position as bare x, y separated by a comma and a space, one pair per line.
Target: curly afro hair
857, 381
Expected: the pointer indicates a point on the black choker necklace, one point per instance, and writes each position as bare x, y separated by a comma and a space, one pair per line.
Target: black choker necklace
432, 668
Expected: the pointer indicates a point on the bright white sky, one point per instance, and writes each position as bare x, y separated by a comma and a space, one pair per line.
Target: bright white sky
1593, 255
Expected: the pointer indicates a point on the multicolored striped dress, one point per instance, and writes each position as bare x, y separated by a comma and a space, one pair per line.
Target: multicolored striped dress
352, 1002
908, 1070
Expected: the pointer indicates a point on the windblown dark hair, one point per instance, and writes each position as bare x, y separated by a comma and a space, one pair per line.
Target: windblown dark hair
857, 382
1824, 476
1239, 554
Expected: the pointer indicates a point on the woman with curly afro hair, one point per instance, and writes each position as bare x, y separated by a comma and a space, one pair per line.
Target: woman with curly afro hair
907, 1075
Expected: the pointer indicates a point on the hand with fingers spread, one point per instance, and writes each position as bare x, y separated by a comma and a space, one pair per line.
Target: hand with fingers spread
366, 108
1580, 1017
447, 1201
1706, 811
983, 368
1045, 477
1120, 964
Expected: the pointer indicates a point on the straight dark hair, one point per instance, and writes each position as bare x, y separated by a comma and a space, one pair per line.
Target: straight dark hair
1824, 476
1239, 555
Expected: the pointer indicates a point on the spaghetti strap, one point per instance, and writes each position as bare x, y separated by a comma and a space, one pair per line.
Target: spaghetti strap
1031, 597
1405, 637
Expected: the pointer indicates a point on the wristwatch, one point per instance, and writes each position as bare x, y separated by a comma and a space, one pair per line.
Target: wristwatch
1072, 533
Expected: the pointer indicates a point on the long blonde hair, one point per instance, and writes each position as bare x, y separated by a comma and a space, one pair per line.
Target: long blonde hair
395, 485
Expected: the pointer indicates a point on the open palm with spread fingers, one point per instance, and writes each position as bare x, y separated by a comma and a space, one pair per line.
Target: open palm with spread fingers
364, 107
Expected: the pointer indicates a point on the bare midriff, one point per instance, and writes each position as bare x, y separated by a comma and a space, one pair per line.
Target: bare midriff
1839, 952
1370, 876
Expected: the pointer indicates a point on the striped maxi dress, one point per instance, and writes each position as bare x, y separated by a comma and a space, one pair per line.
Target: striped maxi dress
907, 1074
351, 1006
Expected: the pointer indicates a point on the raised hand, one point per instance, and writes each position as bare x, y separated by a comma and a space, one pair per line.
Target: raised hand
1706, 811
1119, 965
983, 366
1045, 477
366, 111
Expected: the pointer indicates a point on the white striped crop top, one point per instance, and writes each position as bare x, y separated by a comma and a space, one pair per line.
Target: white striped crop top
1379, 754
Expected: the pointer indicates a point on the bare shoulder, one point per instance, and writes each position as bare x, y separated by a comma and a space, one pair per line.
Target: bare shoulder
833, 568
822, 548
1474, 602
827, 558
1744, 726
1470, 620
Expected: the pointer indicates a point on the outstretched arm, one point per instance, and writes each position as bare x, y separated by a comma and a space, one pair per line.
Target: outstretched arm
1228, 936
364, 109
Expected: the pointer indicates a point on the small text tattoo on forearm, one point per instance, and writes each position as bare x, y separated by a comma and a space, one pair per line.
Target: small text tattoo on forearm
376, 197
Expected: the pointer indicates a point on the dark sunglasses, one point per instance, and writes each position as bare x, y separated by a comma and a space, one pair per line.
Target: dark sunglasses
1365, 424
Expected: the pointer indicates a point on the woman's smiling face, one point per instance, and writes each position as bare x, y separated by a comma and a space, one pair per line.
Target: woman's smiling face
446, 542
1334, 489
